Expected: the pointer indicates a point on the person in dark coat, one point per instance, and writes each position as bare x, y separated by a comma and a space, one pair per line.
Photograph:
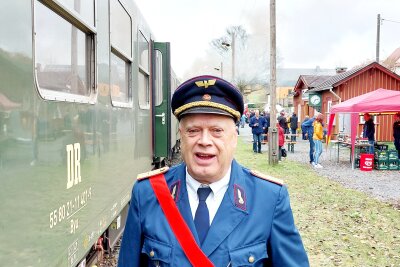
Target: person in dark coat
369, 131
308, 126
283, 122
223, 214
294, 120
257, 123
303, 129
267, 125
396, 132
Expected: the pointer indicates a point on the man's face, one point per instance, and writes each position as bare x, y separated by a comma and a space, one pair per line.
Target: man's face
208, 142
366, 117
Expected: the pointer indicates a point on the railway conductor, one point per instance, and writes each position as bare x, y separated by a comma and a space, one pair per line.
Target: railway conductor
209, 210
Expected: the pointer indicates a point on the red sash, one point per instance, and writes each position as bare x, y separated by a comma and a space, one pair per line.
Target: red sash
177, 223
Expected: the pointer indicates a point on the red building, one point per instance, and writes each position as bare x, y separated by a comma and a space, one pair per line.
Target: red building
345, 85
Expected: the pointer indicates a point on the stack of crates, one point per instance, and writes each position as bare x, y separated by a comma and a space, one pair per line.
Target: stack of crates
381, 160
357, 156
393, 160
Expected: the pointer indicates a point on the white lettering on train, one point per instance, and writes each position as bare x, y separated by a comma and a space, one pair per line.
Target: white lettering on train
73, 164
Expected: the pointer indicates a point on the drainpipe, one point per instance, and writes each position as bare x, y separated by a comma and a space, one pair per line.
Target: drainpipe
340, 100
338, 97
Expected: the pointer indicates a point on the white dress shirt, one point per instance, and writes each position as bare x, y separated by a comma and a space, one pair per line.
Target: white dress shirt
213, 200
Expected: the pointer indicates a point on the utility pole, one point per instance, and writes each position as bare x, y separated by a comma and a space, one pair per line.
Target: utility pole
233, 56
378, 33
273, 131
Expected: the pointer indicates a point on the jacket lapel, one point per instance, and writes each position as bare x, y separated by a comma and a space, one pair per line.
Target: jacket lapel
230, 213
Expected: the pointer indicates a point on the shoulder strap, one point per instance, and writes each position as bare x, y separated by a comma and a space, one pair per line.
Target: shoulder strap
182, 232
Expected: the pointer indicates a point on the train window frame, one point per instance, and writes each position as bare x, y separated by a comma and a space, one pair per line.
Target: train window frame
144, 74
73, 19
125, 56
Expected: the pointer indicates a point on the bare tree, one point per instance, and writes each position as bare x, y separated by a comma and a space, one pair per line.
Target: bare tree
226, 42
249, 56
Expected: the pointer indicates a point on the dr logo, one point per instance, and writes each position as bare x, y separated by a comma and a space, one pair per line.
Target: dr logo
73, 165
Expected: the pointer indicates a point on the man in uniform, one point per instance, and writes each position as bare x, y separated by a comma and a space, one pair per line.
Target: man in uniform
209, 210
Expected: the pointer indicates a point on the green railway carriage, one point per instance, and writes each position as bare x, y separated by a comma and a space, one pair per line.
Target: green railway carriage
84, 107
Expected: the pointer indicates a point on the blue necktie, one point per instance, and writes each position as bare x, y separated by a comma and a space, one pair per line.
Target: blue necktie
202, 218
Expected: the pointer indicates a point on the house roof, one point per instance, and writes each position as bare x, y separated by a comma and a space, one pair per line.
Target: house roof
340, 78
328, 84
312, 81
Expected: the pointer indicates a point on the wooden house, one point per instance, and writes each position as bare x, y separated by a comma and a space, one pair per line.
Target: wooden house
326, 91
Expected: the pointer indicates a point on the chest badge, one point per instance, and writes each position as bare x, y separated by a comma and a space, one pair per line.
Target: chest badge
240, 197
174, 189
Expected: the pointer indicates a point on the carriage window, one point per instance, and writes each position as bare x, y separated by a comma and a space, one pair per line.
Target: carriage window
84, 8
121, 28
144, 91
144, 73
120, 72
158, 90
64, 57
143, 52
121, 53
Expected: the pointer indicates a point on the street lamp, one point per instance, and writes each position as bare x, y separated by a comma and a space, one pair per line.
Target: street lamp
220, 69
227, 45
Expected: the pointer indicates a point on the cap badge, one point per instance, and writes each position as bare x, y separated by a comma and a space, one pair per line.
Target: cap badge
205, 83
206, 97
240, 197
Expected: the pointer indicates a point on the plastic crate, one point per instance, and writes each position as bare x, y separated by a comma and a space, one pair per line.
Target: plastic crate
357, 163
381, 164
381, 147
392, 154
393, 164
381, 155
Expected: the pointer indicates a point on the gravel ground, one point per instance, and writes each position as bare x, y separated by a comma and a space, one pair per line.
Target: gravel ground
380, 184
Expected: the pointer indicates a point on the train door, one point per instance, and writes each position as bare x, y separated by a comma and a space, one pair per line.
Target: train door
161, 101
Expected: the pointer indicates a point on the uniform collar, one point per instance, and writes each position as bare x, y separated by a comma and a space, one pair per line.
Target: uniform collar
217, 186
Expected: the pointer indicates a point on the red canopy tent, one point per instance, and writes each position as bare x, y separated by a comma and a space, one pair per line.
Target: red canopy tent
378, 101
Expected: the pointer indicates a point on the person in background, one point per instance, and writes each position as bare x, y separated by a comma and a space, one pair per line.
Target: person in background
257, 123
309, 129
243, 120
318, 135
281, 140
294, 120
369, 131
283, 122
209, 210
396, 133
303, 129
267, 118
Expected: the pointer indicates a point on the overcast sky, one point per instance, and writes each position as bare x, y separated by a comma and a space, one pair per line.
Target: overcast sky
310, 33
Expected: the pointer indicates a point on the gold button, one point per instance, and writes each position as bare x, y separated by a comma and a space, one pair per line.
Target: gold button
152, 253
251, 259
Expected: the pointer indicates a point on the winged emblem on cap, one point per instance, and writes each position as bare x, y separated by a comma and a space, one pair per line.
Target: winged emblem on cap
205, 83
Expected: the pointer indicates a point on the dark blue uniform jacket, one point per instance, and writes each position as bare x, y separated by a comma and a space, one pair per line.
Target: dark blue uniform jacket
261, 123
253, 227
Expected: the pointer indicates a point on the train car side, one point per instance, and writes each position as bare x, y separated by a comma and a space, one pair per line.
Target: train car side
75, 117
